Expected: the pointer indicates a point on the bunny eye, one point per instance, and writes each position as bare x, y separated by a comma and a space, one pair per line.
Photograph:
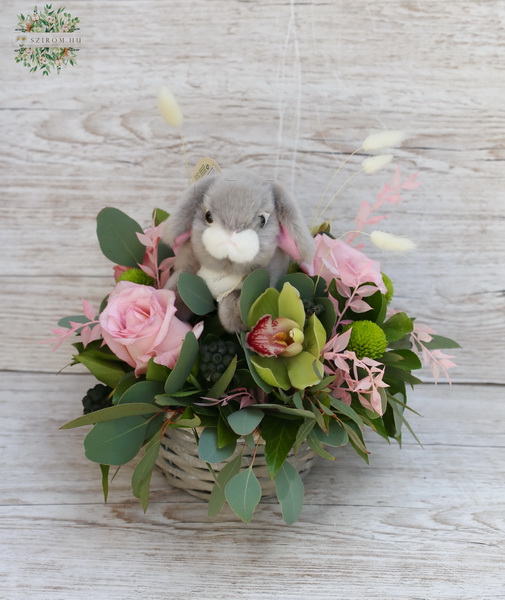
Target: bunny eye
263, 219
208, 217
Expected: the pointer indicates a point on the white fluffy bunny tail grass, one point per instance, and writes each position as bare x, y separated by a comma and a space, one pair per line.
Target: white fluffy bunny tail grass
169, 107
384, 139
391, 243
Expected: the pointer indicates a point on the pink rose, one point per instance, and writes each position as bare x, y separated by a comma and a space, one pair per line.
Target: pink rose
139, 323
334, 259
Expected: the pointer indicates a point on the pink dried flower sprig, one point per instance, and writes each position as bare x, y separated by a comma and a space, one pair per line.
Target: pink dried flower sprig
439, 362
363, 377
89, 331
389, 194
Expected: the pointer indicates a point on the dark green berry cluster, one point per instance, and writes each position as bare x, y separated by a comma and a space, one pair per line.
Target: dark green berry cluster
312, 308
215, 358
96, 398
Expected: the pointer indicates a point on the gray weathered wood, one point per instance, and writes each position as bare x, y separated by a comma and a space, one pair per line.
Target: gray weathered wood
417, 523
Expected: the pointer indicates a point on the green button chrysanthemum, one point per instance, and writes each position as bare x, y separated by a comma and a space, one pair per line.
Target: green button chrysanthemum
367, 339
136, 276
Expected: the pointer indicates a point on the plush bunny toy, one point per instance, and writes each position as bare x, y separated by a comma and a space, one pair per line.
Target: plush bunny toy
230, 224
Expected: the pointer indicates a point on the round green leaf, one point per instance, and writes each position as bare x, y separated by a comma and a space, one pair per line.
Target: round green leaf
195, 294
117, 236
246, 420
336, 436
115, 442
243, 492
208, 448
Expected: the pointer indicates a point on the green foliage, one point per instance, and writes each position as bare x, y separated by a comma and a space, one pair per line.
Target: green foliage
397, 326
290, 491
117, 236
246, 420
105, 481
115, 442
195, 294
254, 285
217, 497
208, 447
112, 413
243, 492
184, 364
141, 477
106, 370
279, 435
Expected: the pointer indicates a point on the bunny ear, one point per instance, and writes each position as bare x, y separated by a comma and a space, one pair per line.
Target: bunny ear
181, 220
294, 237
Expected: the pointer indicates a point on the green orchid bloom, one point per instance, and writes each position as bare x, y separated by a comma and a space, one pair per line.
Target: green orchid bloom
286, 346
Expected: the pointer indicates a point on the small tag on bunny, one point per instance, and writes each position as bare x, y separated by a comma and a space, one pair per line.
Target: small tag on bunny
205, 166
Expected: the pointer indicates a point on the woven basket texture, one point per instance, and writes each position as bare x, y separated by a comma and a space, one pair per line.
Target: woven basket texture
181, 465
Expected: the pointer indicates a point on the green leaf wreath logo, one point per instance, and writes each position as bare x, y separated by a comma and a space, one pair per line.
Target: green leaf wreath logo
52, 26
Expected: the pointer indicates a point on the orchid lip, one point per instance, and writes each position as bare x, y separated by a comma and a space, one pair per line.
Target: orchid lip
275, 337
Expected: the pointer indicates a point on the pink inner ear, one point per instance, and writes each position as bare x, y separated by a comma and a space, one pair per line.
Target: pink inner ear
287, 243
179, 240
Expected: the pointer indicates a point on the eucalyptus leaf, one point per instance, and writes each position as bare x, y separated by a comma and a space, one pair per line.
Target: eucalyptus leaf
126, 382
305, 428
115, 442
342, 408
208, 447
289, 410
246, 420
217, 496
254, 285
336, 436
142, 391
243, 492
189, 352
224, 381
144, 469
290, 491
112, 413
328, 316
317, 447
105, 481
356, 439
303, 283
117, 236
195, 294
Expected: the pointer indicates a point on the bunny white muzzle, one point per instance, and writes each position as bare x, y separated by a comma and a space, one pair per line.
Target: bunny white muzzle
237, 246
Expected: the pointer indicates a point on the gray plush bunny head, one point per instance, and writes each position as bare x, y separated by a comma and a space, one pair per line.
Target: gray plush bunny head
236, 219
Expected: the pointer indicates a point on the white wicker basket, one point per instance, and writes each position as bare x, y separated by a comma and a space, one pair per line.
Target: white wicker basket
181, 465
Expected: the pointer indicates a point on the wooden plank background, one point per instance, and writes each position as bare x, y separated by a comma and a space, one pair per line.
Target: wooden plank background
287, 89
